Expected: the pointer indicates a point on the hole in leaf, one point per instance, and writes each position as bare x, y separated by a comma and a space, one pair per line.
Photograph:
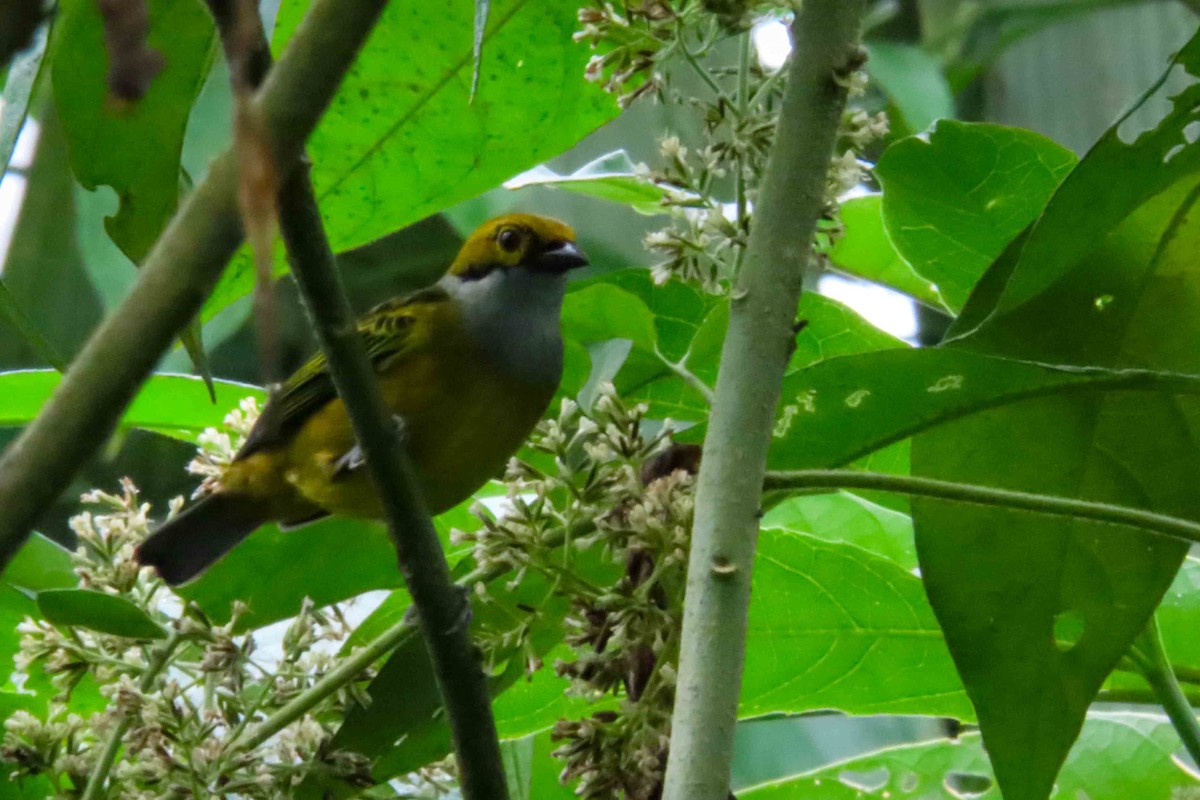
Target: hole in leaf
869, 782
909, 783
1154, 109
1103, 301
1068, 629
966, 784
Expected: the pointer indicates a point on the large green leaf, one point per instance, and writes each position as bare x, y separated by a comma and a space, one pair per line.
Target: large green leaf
134, 148
953, 199
1119, 756
402, 139
845, 408
834, 626
102, 612
844, 517
173, 405
1106, 276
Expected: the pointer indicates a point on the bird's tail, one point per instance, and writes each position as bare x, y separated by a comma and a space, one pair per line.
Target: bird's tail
190, 543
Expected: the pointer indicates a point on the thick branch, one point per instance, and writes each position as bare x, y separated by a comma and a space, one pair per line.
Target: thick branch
442, 608
175, 279
832, 479
753, 359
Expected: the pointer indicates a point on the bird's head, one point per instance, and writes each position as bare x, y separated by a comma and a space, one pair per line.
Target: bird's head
518, 242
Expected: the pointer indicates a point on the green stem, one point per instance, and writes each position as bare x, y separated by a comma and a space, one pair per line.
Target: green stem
833, 479
11, 310
700, 71
1156, 669
175, 279
345, 672
95, 784
1141, 697
753, 360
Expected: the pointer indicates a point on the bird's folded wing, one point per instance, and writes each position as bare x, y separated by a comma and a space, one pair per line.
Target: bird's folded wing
388, 331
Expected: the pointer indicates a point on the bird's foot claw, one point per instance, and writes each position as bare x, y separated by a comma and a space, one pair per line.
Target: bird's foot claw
355, 458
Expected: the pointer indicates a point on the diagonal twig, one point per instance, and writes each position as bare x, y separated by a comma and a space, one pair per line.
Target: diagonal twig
442, 608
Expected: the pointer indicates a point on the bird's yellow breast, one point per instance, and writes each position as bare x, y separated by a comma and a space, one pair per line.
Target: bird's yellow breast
462, 419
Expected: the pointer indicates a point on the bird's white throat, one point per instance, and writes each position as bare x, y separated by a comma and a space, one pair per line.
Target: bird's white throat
514, 315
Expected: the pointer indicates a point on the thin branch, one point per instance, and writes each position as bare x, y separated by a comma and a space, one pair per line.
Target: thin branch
1156, 669
832, 479
442, 609
344, 674
174, 280
753, 359
95, 784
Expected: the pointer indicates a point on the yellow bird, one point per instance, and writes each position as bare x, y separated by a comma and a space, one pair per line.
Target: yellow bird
468, 365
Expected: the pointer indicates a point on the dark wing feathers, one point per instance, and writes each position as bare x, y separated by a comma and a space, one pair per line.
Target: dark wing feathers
385, 333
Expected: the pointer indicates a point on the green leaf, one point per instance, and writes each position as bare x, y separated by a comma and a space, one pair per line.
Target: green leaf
1106, 276
1125, 170
813, 644
843, 409
40, 564
833, 330
953, 199
845, 517
613, 177
134, 148
19, 86
1119, 756
912, 79
402, 140
173, 405
11, 311
102, 612
866, 252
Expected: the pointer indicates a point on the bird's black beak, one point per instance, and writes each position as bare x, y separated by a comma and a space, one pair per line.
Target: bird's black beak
560, 257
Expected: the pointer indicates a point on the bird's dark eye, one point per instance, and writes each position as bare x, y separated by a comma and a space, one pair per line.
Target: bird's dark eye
509, 240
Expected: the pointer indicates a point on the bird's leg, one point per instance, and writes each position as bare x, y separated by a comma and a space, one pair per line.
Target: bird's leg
355, 458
